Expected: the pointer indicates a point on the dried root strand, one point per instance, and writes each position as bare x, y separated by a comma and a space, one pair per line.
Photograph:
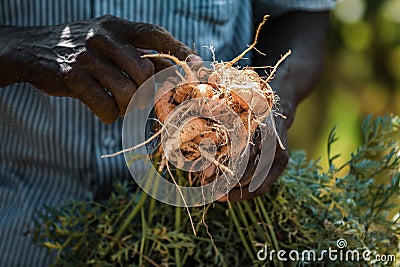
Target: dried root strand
271, 75
253, 45
183, 199
134, 147
211, 159
190, 77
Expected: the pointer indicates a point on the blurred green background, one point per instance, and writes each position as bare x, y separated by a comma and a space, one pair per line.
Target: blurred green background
361, 76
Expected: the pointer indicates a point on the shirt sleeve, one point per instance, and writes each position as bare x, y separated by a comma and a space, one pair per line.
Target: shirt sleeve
279, 7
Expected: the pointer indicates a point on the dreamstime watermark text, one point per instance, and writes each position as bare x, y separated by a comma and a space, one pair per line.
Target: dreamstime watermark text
340, 253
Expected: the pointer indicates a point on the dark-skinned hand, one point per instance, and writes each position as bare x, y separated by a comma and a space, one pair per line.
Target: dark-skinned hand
269, 173
304, 33
97, 61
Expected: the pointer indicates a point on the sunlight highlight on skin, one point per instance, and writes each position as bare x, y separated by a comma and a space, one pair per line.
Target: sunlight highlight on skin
67, 41
90, 34
65, 38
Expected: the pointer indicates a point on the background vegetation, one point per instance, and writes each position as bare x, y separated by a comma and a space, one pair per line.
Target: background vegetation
361, 76
308, 209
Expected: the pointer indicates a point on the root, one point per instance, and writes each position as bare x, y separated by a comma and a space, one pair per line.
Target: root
203, 221
240, 89
183, 199
134, 147
163, 162
271, 75
189, 73
239, 57
215, 162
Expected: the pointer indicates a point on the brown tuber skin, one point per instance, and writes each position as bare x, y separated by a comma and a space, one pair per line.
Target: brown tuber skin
243, 90
304, 32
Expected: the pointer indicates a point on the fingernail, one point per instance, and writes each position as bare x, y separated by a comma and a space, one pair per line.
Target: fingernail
194, 58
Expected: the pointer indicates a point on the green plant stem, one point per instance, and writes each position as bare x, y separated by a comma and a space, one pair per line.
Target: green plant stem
131, 215
302, 179
152, 205
246, 224
254, 219
130, 204
240, 232
178, 216
143, 239
270, 226
136, 209
131, 248
127, 221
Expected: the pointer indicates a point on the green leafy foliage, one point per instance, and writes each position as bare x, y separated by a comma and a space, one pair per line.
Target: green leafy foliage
308, 209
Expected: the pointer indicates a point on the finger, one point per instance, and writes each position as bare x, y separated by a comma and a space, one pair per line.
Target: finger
110, 77
46, 84
123, 55
129, 59
254, 158
278, 166
160, 64
194, 59
153, 37
87, 90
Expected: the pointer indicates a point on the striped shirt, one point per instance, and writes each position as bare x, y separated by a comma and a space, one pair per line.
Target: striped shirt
51, 146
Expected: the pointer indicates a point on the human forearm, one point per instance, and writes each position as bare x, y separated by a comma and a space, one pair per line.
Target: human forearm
97, 61
304, 33
11, 65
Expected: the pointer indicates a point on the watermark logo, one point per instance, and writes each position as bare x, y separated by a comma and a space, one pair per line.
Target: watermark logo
138, 123
338, 254
341, 243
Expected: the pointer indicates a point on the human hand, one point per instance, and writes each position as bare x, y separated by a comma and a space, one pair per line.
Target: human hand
259, 176
97, 61
269, 173
304, 33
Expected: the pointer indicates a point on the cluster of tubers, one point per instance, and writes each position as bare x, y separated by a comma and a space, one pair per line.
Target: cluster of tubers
225, 86
234, 102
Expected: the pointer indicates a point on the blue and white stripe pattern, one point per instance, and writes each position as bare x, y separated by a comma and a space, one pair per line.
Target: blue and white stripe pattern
51, 146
